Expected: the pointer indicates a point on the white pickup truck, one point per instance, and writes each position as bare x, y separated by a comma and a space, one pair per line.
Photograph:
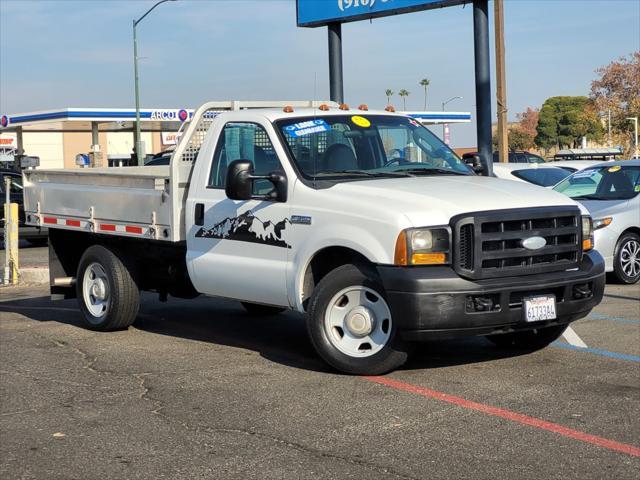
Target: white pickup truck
363, 221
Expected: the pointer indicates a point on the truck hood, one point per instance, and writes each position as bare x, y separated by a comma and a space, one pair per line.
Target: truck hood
434, 200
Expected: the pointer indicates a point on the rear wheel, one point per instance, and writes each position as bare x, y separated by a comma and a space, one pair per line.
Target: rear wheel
626, 259
107, 293
261, 310
350, 323
528, 340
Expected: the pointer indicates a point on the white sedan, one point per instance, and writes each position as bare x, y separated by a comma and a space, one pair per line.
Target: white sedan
540, 174
611, 193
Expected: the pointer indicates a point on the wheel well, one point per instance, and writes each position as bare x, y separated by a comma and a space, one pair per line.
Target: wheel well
325, 261
635, 230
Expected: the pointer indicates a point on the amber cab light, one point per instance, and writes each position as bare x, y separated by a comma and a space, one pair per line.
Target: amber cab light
390, 108
344, 106
363, 107
324, 107
288, 109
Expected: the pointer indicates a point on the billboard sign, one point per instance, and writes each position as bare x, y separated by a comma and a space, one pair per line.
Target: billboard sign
315, 13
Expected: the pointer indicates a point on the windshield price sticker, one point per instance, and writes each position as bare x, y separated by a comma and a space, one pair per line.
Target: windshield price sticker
307, 128
615, 168
540, 308
361, 121
585, 174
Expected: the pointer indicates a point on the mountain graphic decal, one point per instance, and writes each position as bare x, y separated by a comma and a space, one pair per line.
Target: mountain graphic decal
248, 228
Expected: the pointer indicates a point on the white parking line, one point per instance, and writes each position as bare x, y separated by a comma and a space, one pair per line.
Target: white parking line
572, 338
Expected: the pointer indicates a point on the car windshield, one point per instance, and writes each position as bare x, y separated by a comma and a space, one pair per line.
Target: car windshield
366, 146
614, 182
545, 177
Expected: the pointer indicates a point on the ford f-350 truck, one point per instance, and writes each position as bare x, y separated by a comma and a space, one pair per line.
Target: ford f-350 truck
363, 221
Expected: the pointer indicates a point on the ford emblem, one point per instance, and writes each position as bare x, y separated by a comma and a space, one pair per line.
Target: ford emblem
534, 243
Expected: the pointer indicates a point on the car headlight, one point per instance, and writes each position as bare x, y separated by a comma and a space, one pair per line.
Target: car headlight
423, 246
602, 222
587, 233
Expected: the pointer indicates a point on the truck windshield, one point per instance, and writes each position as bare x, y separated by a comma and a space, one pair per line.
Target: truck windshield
602, 183
367, 146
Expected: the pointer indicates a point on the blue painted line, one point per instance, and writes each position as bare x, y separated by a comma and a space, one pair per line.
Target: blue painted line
597, 351
600, 316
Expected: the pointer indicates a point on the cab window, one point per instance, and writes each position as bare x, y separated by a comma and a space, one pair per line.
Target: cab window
244, 141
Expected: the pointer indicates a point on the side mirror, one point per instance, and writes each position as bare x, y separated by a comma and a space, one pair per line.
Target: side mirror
239, 185
475, 164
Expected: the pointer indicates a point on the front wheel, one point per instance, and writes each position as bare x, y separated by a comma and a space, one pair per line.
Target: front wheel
107, 293
626, 259
530, 339
350, 323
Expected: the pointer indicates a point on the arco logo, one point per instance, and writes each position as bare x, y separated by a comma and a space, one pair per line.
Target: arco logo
182, 115
4, 121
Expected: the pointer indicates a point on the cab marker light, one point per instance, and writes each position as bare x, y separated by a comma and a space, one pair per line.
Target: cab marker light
288, 109
390, 108
324, 107
363, 107
344, 106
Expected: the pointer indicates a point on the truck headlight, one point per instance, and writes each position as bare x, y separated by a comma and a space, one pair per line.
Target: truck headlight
587, 233
602, 222
423, 246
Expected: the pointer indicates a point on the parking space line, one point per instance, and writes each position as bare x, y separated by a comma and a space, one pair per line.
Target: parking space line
508, 415
601, 316
597, 351
572, 337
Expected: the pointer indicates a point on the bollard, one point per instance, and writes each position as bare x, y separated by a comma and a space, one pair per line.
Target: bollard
10, 237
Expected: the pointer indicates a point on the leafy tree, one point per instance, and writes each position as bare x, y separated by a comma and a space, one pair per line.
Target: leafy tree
617, 88
528, 120
519, 139
425, 83
404, 94
563, 121
389, 93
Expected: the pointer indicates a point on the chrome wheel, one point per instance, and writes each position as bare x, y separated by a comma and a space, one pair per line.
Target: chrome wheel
630, 258
95, 290
358, 321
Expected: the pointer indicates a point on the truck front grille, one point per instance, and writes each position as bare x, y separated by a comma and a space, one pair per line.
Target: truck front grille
490, 244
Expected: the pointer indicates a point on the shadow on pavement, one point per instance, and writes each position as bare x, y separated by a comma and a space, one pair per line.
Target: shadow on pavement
279, 338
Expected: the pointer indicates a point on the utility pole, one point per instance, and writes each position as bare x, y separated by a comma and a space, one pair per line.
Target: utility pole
501, 82
138, 139
635, 143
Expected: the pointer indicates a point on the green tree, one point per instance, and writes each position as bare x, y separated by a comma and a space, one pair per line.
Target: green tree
563, 121
404, 94
389, 93
425, 83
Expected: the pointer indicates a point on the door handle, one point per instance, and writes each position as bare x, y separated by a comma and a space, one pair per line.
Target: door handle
199, 214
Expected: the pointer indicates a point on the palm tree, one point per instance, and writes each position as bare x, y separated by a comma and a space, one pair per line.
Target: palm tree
425, 83
404, 94
389, 93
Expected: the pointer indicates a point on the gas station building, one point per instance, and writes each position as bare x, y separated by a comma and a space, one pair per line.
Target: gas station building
57, 136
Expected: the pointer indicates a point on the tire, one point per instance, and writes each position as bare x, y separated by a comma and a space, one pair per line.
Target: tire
626, 259
107, 293
261, 310
357, 300
536, 339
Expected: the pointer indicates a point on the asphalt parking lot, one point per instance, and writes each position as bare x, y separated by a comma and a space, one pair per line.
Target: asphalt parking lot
199, 389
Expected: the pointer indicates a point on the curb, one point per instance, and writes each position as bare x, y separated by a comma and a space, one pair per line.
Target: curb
31, 275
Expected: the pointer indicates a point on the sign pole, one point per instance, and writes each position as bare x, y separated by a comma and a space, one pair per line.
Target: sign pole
483, 83
501, 82
336, 85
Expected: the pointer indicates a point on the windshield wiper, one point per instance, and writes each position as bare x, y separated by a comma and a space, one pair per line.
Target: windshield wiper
365, 173
432, 171
589, 197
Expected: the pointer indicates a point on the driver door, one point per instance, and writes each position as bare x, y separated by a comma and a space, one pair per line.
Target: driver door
239, 249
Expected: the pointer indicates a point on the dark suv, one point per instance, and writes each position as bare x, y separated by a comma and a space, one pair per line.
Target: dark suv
514, 157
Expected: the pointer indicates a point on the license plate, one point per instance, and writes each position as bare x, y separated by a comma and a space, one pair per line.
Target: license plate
540, 308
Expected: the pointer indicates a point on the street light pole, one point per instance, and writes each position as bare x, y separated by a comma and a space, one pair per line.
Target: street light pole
138, 144
635, 143
443, 104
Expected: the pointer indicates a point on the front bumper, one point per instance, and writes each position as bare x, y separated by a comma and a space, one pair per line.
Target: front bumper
434, 302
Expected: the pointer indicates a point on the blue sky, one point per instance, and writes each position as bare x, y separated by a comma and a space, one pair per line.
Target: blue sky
78, 53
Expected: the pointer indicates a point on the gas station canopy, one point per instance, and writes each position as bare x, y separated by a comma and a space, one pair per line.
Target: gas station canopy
109, 120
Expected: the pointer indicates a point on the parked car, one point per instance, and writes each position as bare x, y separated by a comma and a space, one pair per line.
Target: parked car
573, 165
610, 191
161, 159
514, 157
598, 154
34, 234
541, 175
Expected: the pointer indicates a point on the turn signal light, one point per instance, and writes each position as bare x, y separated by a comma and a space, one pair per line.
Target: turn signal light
288, 109
401, 257
390, 108
587, 244
344, 106
428, 259
324, 107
